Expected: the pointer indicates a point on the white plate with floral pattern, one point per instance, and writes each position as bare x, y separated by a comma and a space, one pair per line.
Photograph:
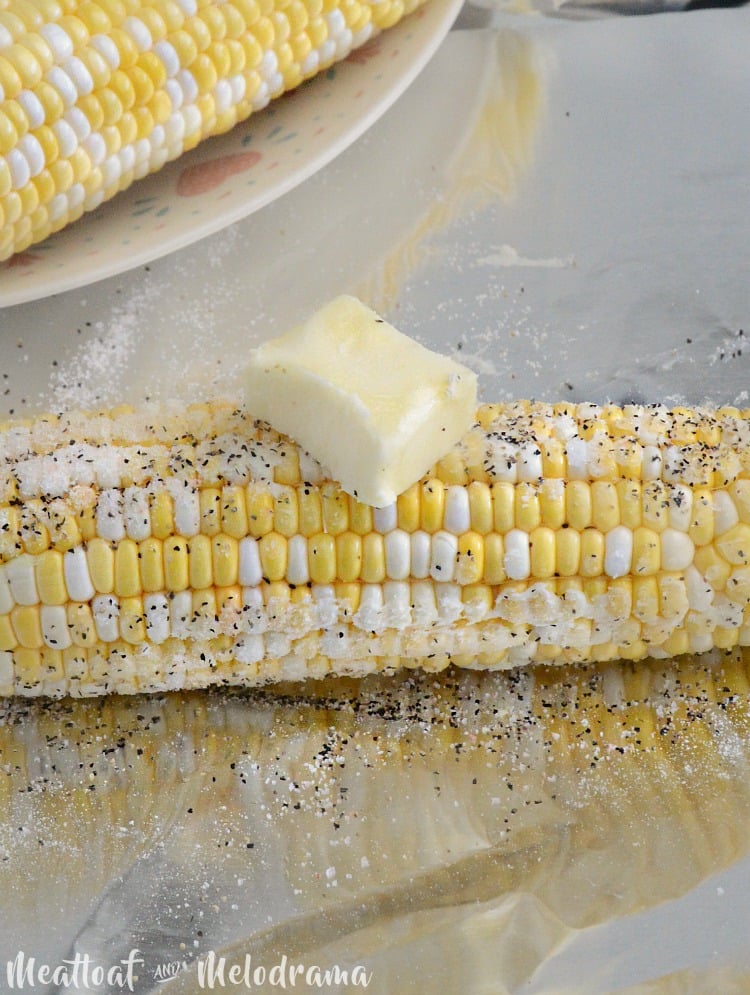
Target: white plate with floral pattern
231, 176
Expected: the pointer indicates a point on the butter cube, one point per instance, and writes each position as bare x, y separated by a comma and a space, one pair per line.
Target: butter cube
376, 408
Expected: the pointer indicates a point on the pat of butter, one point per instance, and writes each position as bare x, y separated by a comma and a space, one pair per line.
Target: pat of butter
373, 406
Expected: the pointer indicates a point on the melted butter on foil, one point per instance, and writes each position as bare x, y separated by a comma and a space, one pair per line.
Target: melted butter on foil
437, 831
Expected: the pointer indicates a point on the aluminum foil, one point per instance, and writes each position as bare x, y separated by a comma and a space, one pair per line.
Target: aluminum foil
564, 205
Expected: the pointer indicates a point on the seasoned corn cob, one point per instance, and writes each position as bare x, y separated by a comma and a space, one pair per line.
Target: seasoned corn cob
97, 93
167, 548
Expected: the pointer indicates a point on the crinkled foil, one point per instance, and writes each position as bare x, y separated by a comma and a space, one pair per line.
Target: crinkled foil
564, 206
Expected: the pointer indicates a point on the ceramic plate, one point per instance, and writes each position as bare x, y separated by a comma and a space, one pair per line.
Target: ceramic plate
231, 176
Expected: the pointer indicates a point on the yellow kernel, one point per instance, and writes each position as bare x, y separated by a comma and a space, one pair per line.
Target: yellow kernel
310, 511
645, 598
237, 63
503, 505
249, 11
273, 556
567, 552
126, 47
150, 557
726, 638
154, 68
219, 55
144, 122
655, 505
196, 28
321, 551
605, 509
76, 30
10, 81
470, 558
594, 587
578, 504
738, 586
552, 502
121, 85
451, 469
714, 567
209, 500
264, 33
34, 533
234, 512
27, 626
5, 180
170, 12
225, 558
176, 564
185, 46
408, 511
253, 51
701, 528
646, 551
285, 511
673, 597
13, 208
101, 563
204, 72
162, 515
335, 506
677, 643
301, 47
132, 621
201, 565
94, 17
480, 507
542, 546
8, 133
527, 512
349, 556
478, 599
494, 555
62, 175
740, 493
8, 639
629, 498
50, 578
734, 544
259, 510
373, 558
348, 597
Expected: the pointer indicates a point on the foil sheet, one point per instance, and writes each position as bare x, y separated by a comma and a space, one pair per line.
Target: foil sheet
564, 206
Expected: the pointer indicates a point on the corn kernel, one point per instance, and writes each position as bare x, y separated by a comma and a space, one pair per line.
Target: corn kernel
273, 556
503, 506
225, 558
432, 505
27, 626
527, 512
568, 552
201, 565
310, 511
407, 508
349, 556
605, 510
335, 506
373, 558
646, 552
176, 564
494, 559
592, 553
50, 579
322, 558
543, 552
578, 509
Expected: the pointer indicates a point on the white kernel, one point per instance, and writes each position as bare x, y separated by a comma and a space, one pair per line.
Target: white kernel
336, 22
327, 51
127, 158
269, 64
78, 122
369, 615
397, 554
111, 170
64, 85
180, 614
156, 614
261, 98
76, 196
530, 462
6, 39
652, 463
275, 84
77, 576
385, 519
136, 513
22, 580
310, 64
106, 611
250, 570
618, 551
187, 511
397, 604
188, 7
222, 96
517, 556
107, 49
577, 453
424, 606
192, 118
443, 557
239, 87
189, 87
142, 150
139, 32
680, 507
343, 43
67, 139
33, 153
80, 75
20, 174
57, 207
175, 94
297, 568
165, 51
58, 40
54, 623
421, 553
110, 523
725, 512
700, 593
677, 550
363, 35
249, 649
457, 517
96, 148
449, 603
32, 108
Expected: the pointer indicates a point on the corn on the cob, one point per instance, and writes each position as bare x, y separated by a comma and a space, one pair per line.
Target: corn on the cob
97, 93
143, 550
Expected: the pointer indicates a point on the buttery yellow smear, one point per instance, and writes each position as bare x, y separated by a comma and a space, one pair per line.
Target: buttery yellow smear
489, 166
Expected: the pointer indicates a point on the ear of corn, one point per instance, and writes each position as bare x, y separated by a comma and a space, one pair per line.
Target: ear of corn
94, 95
165, 549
